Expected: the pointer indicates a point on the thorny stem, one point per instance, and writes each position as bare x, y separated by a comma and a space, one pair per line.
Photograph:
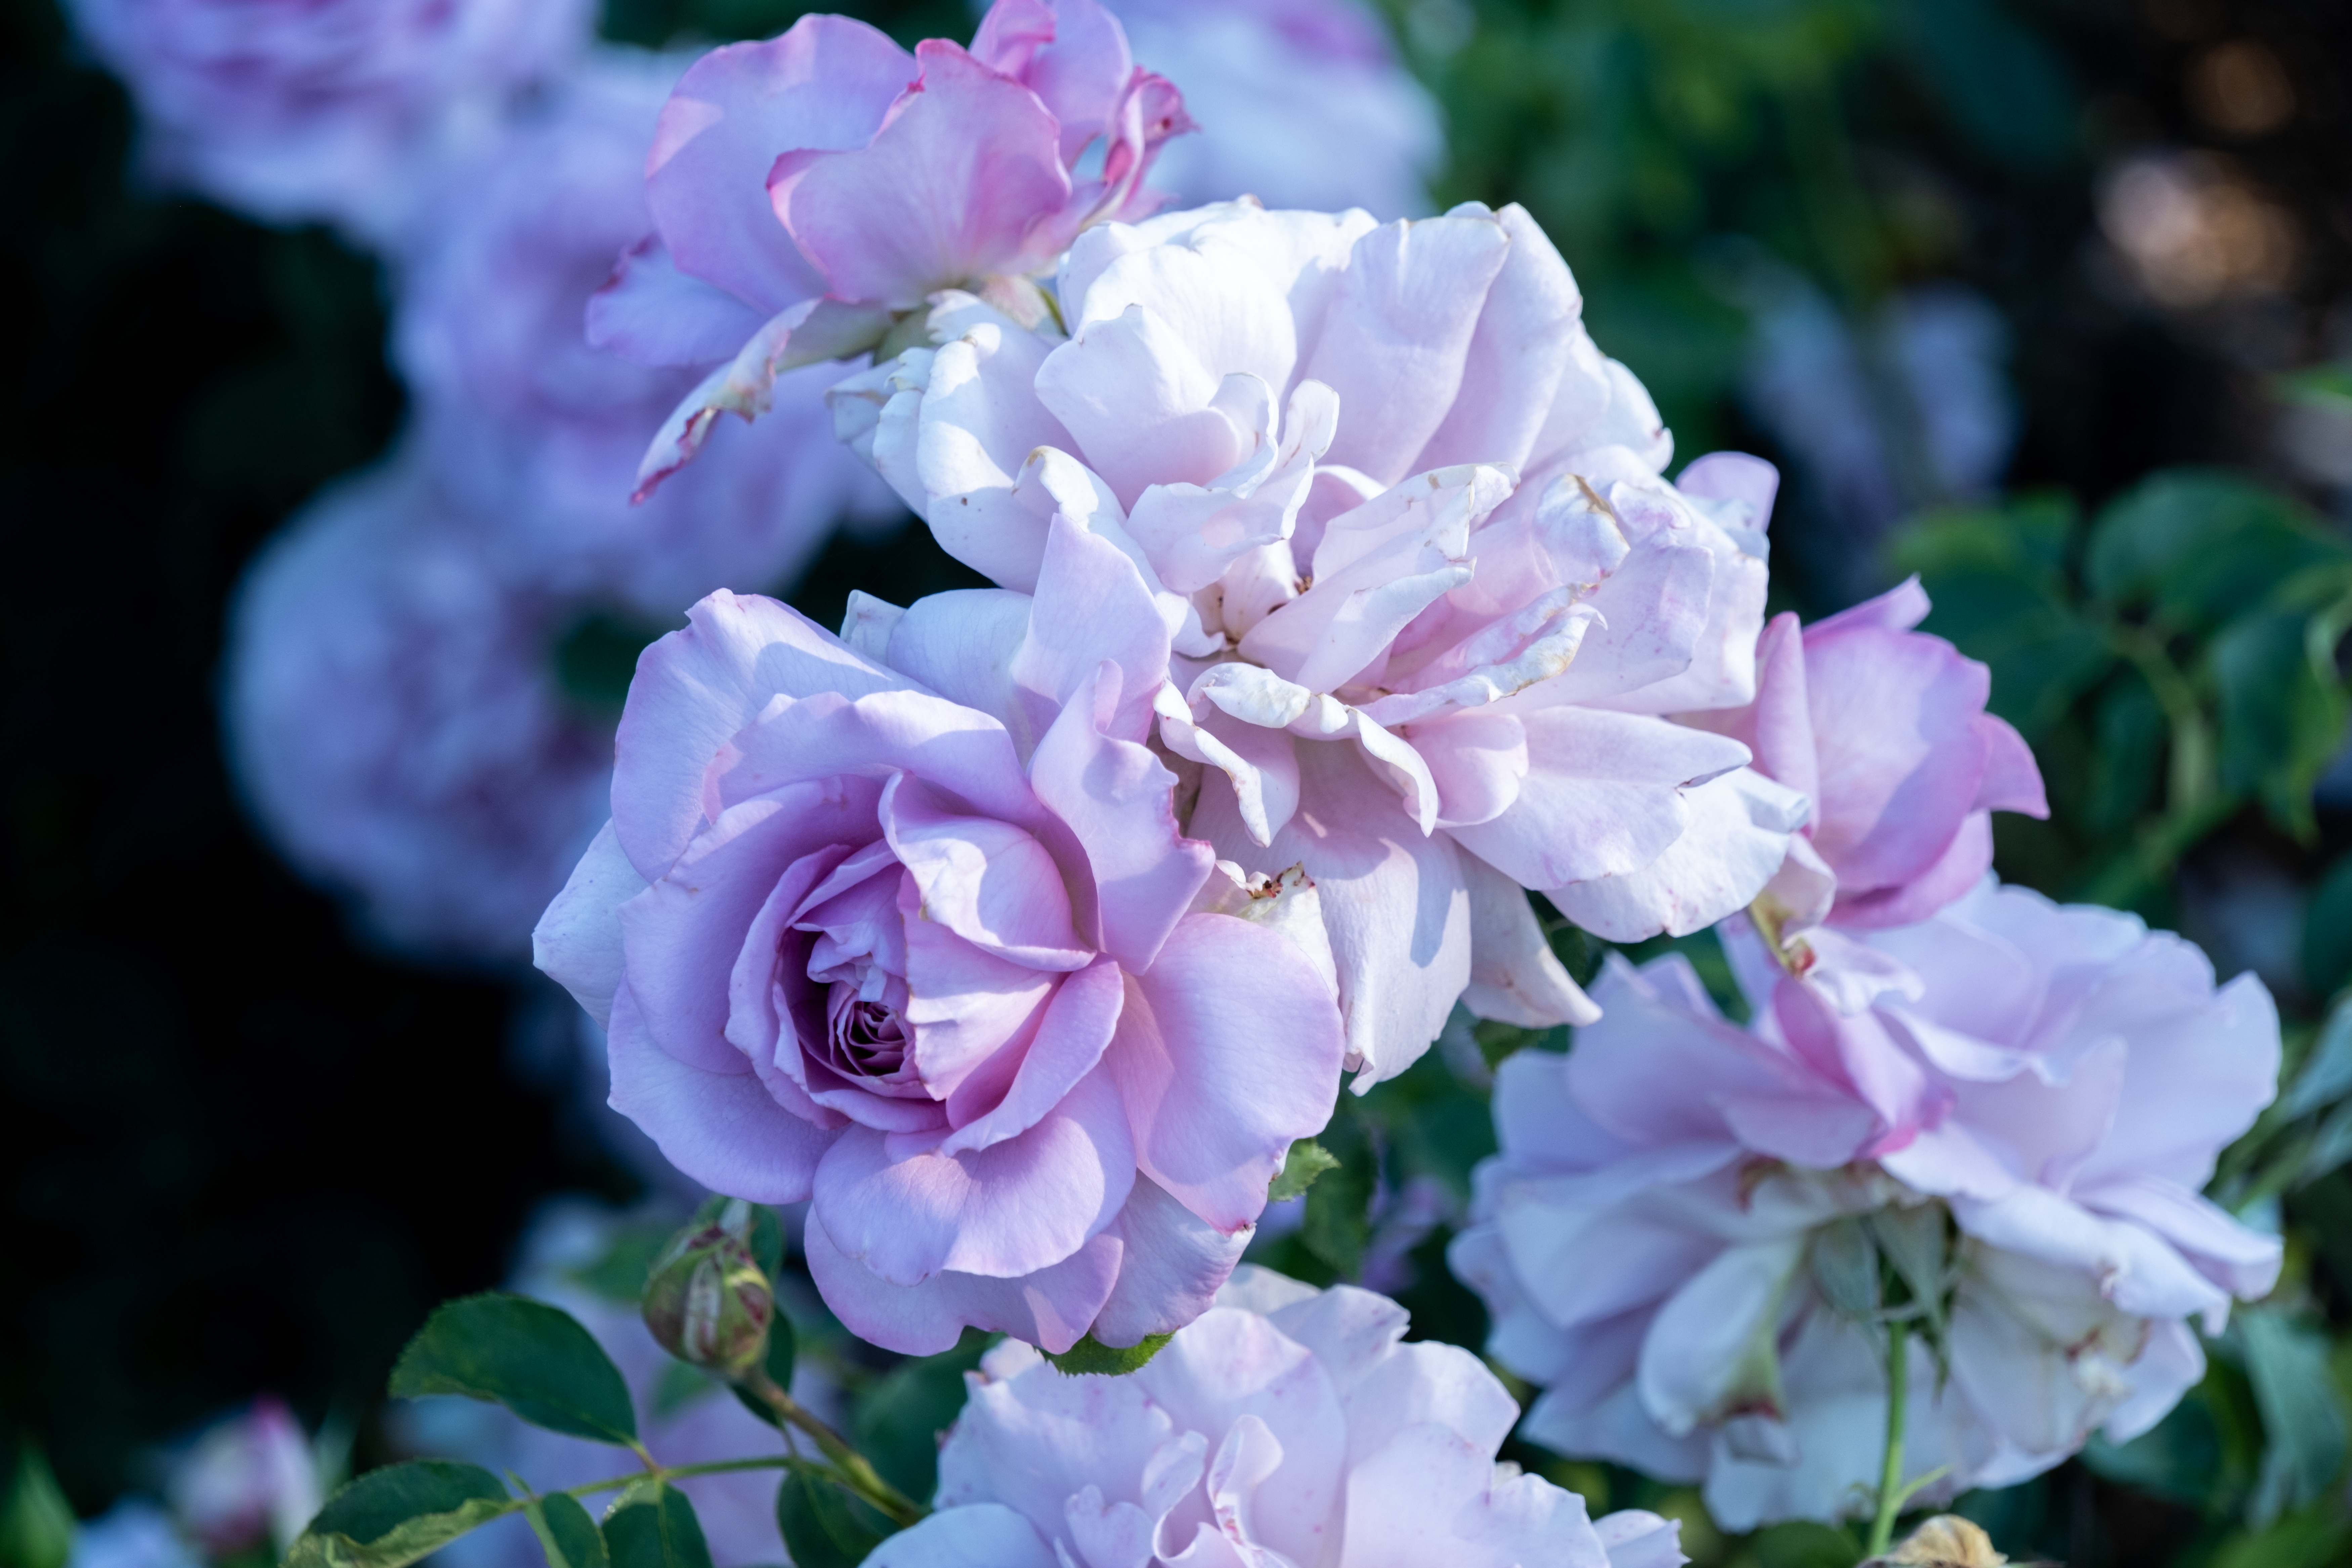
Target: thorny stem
1891, 1491
855, 1471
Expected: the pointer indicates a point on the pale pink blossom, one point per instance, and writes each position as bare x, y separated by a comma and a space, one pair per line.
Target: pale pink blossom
1284, 1426
809, 190
300, 110
1430, 680
535, 432
2048, 1088
1883, 729
943, 964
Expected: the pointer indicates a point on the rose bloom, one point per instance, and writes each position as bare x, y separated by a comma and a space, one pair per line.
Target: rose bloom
394, 721
1300, 103
2046, 1089
299, 110
1883, 729
1434, 600
1284, 1426
946, 968
535, 431
809, 190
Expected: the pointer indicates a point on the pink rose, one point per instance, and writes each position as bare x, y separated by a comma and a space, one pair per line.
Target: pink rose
949, 972
2051, 1083
1884, 728
297, 110
1286, 1424
807, 190
1430, 680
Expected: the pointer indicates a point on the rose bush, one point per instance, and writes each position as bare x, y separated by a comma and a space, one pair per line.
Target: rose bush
1287, 1425
2057, 1080
1432, 680
948, 971
809, 189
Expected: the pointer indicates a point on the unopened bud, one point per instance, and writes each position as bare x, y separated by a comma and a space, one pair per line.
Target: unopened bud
706, 1300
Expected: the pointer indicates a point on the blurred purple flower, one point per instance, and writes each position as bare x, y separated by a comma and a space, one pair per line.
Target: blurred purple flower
393, 719
300, 110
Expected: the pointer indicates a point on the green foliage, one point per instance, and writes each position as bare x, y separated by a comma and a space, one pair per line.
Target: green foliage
2189, 631
1090, 1355
2302, 1412
36, 1524
566, 1533
900, 1417
391, 1517
654, 1526
1307, 1160
823, 1526
534, 1359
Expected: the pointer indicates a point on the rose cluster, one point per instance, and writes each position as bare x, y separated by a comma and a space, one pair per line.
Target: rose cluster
1348, 600
1343, 601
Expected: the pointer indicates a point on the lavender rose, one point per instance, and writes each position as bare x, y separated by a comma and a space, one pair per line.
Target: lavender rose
947, 971
1287, 1425
2042, 1089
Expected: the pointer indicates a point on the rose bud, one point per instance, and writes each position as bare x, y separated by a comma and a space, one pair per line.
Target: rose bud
706, 1302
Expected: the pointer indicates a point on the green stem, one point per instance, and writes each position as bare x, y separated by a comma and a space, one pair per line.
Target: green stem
668, 1472
855, 1473
1891, 1491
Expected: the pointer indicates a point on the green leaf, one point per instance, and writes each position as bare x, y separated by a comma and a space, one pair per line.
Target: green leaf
655, 1527
1307, 1160
1845, 1270
1804, 1544
1336, 1225
391, 1517
2196, 548
781, 1353
566, 1533
2282, 710
1090, 1355
2303, 1416
900, 1418
2326, 1075
2327, 935
36, 1527
534, 1359
825, 1526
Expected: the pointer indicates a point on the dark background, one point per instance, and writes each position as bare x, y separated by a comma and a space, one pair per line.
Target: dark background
239, 1151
